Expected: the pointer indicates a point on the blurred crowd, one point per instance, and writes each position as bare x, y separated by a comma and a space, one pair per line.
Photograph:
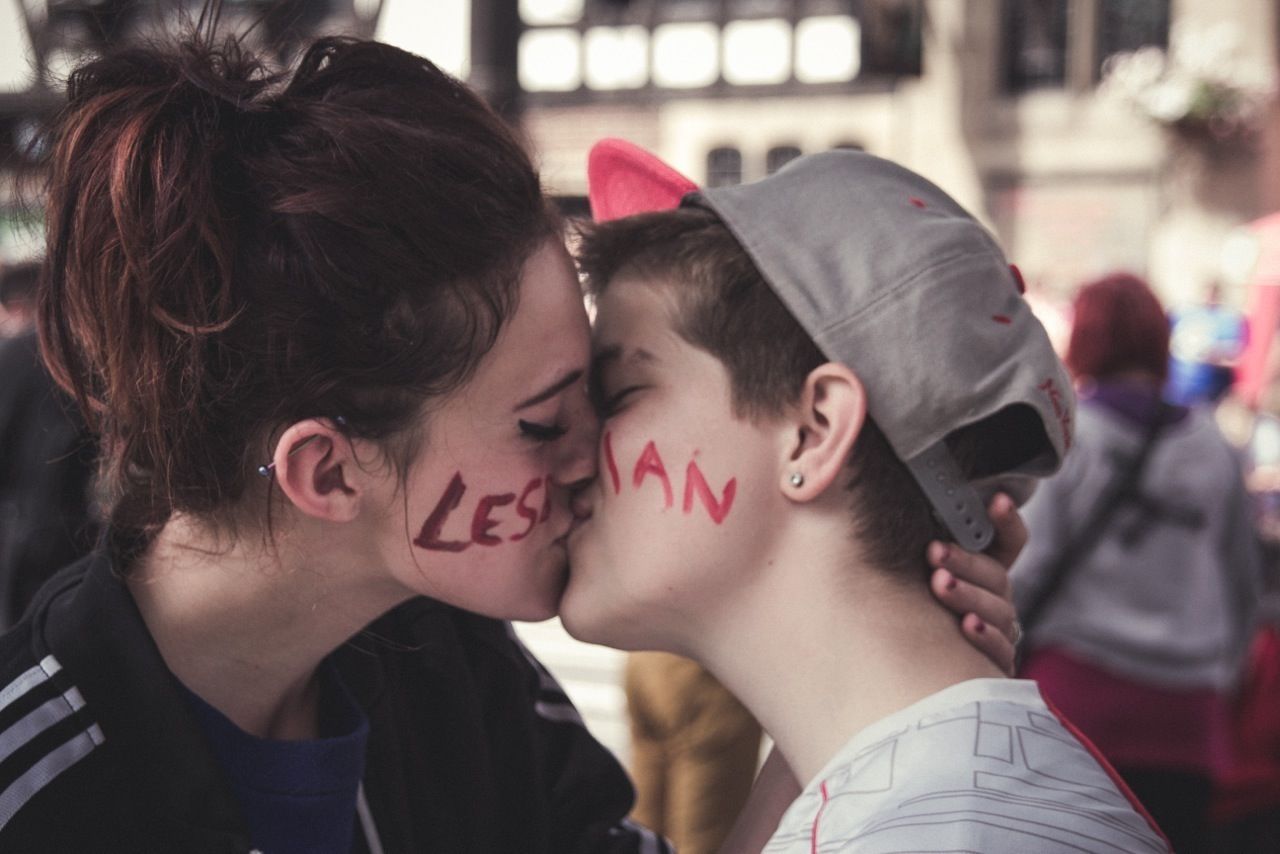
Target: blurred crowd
47, 516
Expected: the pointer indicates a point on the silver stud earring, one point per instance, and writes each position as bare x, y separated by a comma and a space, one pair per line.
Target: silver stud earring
797, 479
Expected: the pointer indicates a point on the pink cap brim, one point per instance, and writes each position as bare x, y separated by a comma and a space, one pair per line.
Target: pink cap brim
623, 179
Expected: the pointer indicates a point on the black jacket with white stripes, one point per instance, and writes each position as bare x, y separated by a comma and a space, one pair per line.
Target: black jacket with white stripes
473, 747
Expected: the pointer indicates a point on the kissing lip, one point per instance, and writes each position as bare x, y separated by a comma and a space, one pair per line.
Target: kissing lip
574, 524
580, 518
581, 506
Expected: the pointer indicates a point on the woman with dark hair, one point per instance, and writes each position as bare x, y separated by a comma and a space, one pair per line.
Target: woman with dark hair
1141, 576
328, 332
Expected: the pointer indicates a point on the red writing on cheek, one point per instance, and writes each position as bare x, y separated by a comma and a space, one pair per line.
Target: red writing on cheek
611, 463
524, 511
482, 520
429, 537
481, 524
650, 463
696, 487
694, 482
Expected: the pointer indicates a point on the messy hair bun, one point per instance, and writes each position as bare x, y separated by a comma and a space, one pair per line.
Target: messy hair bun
232, 249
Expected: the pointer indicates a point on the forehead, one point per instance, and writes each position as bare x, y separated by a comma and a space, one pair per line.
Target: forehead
635, 312
547, 334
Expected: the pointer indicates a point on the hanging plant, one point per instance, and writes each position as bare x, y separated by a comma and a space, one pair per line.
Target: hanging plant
1198, 89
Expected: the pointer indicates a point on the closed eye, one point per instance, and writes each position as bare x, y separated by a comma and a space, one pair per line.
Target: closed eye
611, 405
541, 432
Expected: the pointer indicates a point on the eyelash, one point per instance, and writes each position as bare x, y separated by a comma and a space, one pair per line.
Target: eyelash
541, 432
608, 408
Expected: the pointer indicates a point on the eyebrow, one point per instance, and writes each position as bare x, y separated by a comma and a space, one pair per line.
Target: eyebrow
613, 353
552, 390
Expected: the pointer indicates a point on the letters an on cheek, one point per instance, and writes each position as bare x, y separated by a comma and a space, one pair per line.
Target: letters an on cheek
649, 464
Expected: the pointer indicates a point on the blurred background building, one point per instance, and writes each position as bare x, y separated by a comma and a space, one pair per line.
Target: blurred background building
1080, 162
1001, 103
1090, 135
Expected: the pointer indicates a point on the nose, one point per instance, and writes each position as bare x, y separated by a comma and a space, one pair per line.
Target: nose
576, 463
580, 499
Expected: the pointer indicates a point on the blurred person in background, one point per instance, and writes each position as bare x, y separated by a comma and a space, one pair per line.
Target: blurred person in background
17, 297
1141, 576
46, 458
1204, 348
1247, 798
694, 750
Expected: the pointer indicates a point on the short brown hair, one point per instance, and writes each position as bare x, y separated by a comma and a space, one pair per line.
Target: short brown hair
232, 250
725, 307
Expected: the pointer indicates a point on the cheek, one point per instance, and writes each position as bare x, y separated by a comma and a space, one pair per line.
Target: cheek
471, 513
665, 482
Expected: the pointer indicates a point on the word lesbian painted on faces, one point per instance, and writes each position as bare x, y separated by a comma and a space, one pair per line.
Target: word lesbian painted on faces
649, 464
483, 522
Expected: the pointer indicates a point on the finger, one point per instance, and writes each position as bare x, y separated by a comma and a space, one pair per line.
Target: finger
961, 597
979, 570
995, 645
1011, 533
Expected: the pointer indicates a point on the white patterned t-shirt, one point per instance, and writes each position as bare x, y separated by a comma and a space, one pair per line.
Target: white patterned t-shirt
982, 766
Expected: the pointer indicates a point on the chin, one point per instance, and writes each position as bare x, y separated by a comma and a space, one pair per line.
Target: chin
536, 600
577, 618
584, 620
545, 602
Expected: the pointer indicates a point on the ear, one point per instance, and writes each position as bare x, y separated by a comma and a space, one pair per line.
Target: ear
315, 468
825, 423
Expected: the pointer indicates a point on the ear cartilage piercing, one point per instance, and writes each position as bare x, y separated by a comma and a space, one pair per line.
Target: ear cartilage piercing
797, 479
268, 469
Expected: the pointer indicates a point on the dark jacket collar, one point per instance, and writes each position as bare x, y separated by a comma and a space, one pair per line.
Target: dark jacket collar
93, 627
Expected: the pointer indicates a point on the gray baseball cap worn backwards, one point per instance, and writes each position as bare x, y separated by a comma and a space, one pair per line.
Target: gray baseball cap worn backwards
891, 277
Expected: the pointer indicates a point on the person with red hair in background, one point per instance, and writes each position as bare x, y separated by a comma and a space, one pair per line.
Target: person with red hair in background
1138, 586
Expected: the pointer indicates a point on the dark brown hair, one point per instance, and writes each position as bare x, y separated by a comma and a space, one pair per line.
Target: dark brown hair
231, 250
725, 307
1119, 326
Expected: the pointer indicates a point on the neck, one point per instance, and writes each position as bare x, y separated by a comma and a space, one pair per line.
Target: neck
817, 668
246, 624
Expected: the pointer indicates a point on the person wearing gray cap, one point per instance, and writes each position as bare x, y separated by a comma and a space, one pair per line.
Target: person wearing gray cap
804, 381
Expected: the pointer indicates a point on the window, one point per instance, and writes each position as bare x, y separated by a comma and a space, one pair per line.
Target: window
1064, 43
550, 12
757, 52
828, 49
1126, 25
1035, 44
616, 57
724, 167
686, 56
779, 156
891, 33
550, 60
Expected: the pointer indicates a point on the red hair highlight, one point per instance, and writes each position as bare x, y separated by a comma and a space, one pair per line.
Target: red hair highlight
1120, 326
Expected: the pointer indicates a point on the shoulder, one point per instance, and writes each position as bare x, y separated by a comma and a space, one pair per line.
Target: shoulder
1097, 425
46, 735
1002, 766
